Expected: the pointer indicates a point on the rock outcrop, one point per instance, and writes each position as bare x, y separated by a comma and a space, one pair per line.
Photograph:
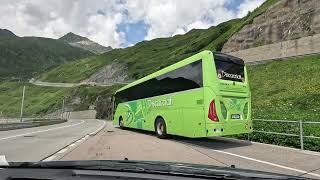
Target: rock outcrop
285, 20
110, 74
84, 43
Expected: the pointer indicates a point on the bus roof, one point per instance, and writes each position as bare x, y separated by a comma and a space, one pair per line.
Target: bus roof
174, 66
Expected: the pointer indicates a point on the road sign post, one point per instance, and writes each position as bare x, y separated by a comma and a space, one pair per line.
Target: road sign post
22, 102
62, 110
301, 134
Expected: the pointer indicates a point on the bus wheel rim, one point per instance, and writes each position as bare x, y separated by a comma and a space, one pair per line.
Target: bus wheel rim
160, 128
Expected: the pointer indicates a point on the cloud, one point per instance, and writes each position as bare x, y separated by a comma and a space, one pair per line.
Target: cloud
95, 19
169, 17
99, 20
248, 5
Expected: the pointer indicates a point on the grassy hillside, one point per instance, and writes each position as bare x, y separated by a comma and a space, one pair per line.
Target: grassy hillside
24, 57
40, 101
286, 90
149, 56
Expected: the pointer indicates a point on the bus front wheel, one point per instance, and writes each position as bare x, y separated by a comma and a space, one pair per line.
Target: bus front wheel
121, 123
161, 128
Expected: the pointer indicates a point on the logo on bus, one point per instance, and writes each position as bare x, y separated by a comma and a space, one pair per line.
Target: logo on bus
159, 103
229, 75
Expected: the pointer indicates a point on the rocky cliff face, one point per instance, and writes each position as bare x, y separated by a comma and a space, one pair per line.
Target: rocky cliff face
110, 74
286, 20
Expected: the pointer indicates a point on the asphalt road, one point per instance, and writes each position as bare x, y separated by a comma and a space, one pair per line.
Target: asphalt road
35, 144
113, 143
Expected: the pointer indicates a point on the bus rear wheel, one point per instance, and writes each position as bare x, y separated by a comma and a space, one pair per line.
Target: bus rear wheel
161, 128
121, 123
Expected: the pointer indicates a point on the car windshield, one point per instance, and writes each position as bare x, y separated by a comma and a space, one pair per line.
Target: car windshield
208, 88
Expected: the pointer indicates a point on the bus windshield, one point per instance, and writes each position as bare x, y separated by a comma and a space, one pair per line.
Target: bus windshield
229, 68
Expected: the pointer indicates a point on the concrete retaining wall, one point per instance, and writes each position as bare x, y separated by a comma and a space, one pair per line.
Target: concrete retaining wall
88, 114
297, 47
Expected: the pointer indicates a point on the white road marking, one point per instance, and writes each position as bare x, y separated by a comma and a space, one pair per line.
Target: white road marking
63, 150
78, 142
61, 127
50, 158
101, 127
3, 160
268, 163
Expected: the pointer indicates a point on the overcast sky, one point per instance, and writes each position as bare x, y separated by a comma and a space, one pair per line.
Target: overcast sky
118, 23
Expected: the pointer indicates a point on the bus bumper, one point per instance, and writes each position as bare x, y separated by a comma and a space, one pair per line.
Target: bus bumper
223, 129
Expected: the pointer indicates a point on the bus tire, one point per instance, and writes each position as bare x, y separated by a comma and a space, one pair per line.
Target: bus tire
161, 128
121, 122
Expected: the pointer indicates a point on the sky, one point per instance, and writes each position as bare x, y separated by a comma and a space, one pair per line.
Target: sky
118, 23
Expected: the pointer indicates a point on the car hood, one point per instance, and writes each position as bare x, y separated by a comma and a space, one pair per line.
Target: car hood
155, 167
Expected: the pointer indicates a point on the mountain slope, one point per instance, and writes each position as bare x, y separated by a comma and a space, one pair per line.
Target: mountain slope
286, 20
149, 56
84, 43
24, 57
4, 33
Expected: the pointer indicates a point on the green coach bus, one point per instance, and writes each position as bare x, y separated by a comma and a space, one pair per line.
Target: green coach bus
204, 95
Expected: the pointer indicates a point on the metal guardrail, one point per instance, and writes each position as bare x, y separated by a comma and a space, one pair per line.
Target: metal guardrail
299, 123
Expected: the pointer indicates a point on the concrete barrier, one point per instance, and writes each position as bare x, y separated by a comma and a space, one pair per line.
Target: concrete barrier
29, 124
87, 114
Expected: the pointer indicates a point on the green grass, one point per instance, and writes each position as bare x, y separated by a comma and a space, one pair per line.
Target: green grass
286, 90
75, 71
149, 56
40, 101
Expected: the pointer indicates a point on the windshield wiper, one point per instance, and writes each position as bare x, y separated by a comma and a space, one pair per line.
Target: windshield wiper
164, 168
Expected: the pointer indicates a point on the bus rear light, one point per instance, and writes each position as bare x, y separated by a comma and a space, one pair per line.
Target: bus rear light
212, 114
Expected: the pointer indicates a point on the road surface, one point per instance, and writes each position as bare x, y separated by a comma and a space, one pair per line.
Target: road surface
35, 144
116, 144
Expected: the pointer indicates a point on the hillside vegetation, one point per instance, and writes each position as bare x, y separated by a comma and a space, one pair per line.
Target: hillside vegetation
286, 90
149, 56
40, 101
25, 57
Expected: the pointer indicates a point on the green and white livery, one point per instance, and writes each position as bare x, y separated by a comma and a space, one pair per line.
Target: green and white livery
204, 95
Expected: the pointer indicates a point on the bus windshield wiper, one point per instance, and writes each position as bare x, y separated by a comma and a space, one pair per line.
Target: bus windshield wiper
164, 168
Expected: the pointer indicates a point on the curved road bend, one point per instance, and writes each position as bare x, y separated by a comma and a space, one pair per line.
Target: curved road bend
35, 144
